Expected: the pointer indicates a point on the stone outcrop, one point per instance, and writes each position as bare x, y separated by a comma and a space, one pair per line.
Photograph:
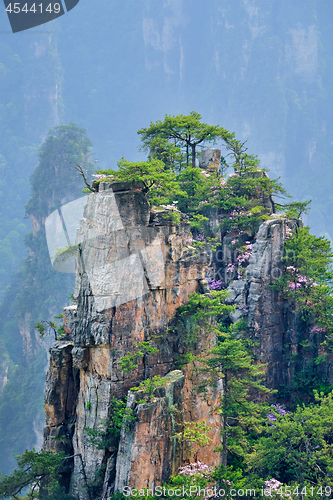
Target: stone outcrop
260, 305
209, 159
145, 454
277, 329
134, 268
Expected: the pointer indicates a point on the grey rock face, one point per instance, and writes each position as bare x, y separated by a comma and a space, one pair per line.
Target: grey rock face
261, 306
91, 411
69, 315
122, 260
210, 158
138, 452
133, 270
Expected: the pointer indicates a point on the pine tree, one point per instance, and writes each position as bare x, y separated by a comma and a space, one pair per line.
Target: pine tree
230, 360
186, 132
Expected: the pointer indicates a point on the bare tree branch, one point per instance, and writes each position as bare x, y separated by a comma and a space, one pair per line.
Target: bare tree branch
80, 169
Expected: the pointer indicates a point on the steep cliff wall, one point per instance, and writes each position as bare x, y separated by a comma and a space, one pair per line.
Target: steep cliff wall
274, 325
134, 268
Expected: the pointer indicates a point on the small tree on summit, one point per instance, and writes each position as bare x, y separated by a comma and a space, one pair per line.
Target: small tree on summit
187, 132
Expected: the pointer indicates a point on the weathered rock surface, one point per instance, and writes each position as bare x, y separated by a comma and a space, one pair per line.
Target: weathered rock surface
134, 268
277, 329
210, 159
145, 454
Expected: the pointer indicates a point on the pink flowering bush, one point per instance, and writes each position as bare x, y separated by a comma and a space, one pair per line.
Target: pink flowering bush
289, 233
242, 261
199, 237
297, 447
307, 278
99, 176
196, 468
273, 484
276, 411
297, 280
215, 284
197, 475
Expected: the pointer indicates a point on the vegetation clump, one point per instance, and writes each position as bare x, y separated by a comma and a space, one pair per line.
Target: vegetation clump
107, 434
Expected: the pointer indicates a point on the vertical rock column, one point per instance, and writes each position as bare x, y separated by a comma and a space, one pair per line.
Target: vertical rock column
134, 268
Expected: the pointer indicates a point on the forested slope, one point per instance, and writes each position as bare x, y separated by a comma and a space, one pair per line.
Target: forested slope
36, 292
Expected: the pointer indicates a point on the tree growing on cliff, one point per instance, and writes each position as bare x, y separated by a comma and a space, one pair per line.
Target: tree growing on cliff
230, 361
298, 446
169, 138
158, 183
38, 470
50, 327
107, 434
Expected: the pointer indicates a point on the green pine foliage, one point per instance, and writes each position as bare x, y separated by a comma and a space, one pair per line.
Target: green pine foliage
171, 176
297, 446
107, 434
38, 471
159, 183
231, 361
180, 135
130, 361
307, 278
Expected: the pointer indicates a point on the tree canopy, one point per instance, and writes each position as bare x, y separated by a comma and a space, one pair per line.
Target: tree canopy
185, 132
38, 470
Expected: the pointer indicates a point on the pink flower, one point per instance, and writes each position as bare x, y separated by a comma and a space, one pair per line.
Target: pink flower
215, 285
292, 268
317, 329
195, 468
289, 233
99, 176
273, 484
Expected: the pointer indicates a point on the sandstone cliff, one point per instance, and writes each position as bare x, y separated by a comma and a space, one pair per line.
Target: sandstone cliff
134, 268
